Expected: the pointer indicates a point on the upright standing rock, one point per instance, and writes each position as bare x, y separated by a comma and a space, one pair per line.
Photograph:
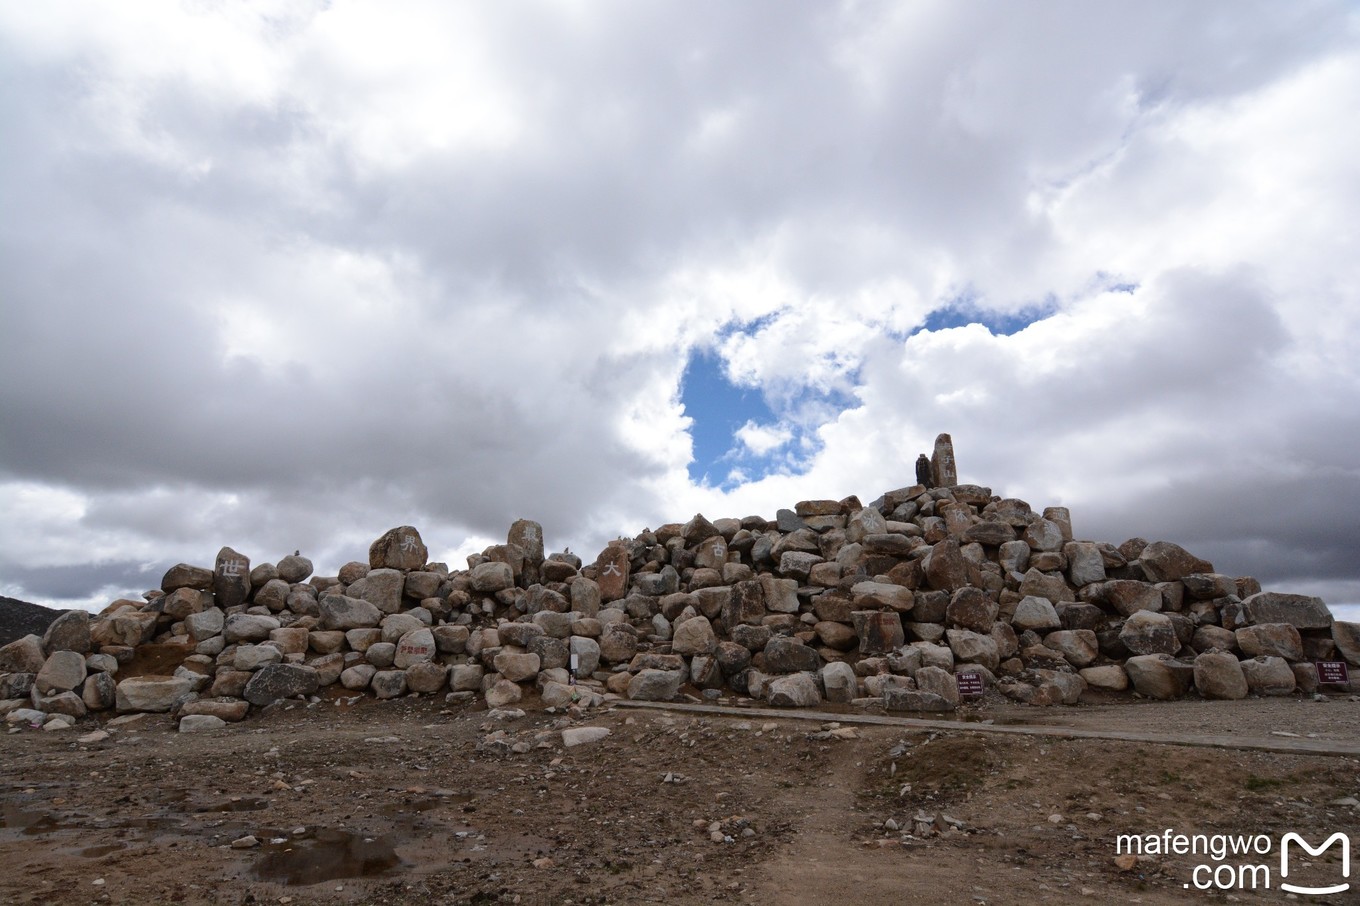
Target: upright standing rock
611, 572
68, 632
924, 472
398, 548
528, 536
231, 578
942, 465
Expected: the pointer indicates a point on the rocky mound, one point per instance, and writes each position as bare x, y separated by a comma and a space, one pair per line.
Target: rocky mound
908, 603
20, 618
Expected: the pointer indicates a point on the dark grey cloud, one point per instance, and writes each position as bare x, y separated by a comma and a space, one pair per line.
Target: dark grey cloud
252, 297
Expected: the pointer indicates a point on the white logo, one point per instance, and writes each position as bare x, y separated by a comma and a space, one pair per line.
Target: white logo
1319, 891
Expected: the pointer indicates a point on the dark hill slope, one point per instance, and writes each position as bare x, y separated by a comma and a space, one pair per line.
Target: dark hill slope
19, 618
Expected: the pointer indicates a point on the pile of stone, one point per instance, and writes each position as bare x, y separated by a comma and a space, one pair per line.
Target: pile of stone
882, 605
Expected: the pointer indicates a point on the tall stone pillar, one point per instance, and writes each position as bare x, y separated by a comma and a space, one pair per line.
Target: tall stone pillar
942, 464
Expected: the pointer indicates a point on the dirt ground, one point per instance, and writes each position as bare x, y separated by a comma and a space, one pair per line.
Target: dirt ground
403, 802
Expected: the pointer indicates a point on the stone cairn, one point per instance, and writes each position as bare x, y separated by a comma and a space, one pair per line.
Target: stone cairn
879, 606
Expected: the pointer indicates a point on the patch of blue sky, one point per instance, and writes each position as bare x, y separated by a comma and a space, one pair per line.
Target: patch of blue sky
781, 436
718, 409
964, 310
1112, 283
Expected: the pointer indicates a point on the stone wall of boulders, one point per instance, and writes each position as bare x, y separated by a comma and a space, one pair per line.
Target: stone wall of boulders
832, 601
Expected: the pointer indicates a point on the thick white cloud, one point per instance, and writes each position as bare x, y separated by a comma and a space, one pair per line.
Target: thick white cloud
281, 276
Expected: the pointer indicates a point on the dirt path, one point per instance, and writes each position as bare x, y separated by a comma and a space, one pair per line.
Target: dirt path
406, 802
1284, 743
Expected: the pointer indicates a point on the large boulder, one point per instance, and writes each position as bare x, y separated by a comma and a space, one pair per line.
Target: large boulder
1209, 637
898, 698
501, 694
357, 677
1085, 563
1079, 647
1272, 639
248, 627
1269, 676
99, 691
585, 654
415, 647
796, 690
694, 636
745, 604
343, 612
396, 625
151, 693
617, 644
398, 548
971, 608
879, 631
205, 624
1158, 675
125, 627
231, 579
68, 632
388, 683
1044, 585
945, 567
516, 666
837, 636
16, 685
974, 648
1218, 674
183, 575
1164, 561
938, 681
1299, 611
840, 682
1347, 639
1148, 632
426, 677
1128, 596
612, 569
786, 655
652, 685
253, 657
1107, 677
294, 568
491, 577
382, 588
23, 655
878, 595
276, 681
1035, 613
63, 671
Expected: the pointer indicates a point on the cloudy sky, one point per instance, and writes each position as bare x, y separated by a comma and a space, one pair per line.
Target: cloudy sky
284, 275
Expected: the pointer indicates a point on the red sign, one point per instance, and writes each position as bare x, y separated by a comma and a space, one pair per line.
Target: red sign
969, 683
1333, 672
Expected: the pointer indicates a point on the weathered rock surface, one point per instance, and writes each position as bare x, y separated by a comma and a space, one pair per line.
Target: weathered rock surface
1299, 611
1148, 632
1219, 675
398, 548
796, 690
151, 693
276, 681
1276, 639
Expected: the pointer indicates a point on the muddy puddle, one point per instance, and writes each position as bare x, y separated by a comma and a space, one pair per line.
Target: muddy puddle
235, 804
329, 855
419, 804
30, 822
